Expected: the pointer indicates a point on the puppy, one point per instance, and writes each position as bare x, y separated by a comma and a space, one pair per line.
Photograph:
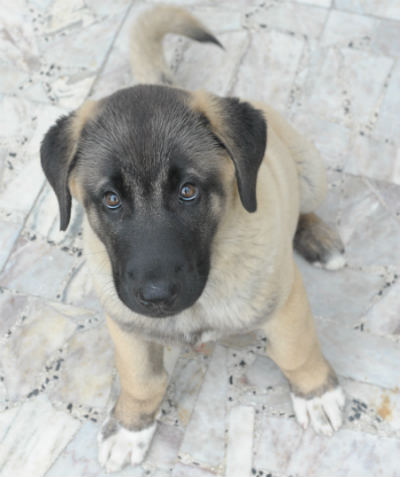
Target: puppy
191, 216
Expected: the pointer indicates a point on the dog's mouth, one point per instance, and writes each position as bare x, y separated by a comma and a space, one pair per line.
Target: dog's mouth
162, 308
155, 310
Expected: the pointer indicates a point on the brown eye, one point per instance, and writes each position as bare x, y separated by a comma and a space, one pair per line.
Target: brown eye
111, 200
188, 192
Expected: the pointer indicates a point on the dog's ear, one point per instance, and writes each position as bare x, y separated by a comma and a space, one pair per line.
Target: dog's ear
57, 153
242, 129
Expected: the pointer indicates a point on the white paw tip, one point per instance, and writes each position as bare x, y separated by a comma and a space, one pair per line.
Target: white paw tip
124, 447
324, 412
336, 262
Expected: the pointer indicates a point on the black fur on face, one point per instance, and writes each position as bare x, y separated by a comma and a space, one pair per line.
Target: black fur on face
143, 147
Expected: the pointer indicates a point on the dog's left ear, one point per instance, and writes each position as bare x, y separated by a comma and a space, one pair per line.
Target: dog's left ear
57, 154
242, 129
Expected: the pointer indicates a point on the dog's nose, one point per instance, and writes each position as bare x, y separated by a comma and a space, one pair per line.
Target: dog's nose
160, 292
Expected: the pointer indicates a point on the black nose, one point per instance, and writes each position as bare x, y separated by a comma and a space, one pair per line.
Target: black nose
160, 292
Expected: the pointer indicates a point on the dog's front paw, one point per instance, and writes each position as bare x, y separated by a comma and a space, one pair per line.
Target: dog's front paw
325, 412
119, 446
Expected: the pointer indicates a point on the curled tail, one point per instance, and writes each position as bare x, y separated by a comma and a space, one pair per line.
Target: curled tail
147, 57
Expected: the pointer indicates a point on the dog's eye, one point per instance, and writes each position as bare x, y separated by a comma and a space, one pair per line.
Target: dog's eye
111, 200
188, 192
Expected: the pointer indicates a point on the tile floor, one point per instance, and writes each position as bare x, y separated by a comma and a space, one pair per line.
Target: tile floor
333, 68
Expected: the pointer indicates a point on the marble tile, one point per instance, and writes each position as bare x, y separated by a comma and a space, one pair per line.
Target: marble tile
199, 59
359, 355
329, 296
388, 122
34, 434
183, 390
374, 158
9, 233
386, 38
79, 290
12, 307
44, 221
263, 374
240, 442
116, 73
171, 356
204, 436
344, 29
290, 17
388, 195
182, 470
163, 452
219, 20
332, 139
368, 229
34, 257
318, 3
79, 458
384, 317
37, 332
86, 373
18, 48
379, 8
285, 447
344, 84
380, 405
267, 73
22, 125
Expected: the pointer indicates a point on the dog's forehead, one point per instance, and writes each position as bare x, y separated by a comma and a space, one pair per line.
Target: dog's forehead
145, 132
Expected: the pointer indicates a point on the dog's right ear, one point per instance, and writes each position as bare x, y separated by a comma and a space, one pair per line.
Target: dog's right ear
57, 154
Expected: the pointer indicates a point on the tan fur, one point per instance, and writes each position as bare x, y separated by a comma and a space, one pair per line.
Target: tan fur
142, 377
310, 167
253, 281
206, 104
147, 57
252, 270
81, 116
293, 343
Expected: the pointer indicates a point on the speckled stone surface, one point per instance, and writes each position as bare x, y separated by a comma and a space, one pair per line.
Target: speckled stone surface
332, 67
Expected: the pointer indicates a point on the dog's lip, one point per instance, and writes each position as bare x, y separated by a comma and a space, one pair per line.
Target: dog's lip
157, 311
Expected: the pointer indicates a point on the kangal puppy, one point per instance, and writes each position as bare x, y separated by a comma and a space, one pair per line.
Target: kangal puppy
193, 203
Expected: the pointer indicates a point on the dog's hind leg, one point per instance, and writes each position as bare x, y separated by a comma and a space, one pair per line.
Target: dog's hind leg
319, 243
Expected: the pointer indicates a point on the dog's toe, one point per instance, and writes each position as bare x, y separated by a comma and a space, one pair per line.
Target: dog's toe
124, 447
324, 412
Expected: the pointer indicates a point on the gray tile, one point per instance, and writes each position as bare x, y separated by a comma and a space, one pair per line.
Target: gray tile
34, 258
267, 73
31, 449
285, 447
380, 8
343, 295
359, 355
204, 439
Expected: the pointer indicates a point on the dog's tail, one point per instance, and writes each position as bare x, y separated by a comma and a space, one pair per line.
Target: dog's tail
147, 57
319, 243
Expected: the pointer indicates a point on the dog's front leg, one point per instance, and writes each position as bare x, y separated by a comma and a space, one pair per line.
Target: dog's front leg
293, 345
127, 432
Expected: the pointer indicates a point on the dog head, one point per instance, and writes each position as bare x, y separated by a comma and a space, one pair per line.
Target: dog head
149, 165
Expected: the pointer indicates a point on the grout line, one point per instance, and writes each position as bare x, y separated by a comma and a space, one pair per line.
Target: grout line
365, 14
23, 225
110, 48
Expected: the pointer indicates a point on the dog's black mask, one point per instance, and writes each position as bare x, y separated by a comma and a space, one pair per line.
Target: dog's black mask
149, 166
